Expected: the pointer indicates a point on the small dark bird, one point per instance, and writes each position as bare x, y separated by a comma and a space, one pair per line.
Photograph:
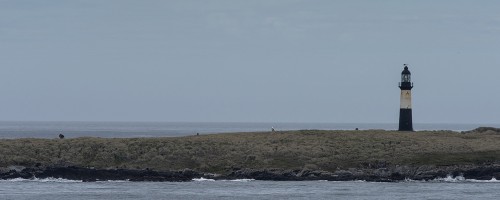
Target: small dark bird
61, 136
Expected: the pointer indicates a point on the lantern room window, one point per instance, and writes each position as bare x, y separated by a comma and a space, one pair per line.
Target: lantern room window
405, 78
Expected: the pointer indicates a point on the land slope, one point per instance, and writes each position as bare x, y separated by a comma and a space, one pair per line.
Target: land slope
282, 155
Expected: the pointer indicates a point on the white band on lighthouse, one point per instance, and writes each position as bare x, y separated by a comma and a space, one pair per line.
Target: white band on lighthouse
405, 99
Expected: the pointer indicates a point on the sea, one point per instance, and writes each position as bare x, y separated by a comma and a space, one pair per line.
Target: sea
55, 189
16, 129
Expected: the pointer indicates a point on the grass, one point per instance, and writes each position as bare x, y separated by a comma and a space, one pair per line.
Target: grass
326, 150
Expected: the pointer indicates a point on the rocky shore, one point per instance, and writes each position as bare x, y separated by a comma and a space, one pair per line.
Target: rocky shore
90, 175
386, 174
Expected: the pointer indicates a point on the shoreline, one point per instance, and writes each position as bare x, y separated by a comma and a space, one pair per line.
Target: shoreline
391, 174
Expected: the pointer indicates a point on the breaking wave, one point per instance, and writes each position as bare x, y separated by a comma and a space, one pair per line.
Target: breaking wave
212, 180
116, 181
202, 179
451, 179
457, 179
493, 180
43, 180
242, 180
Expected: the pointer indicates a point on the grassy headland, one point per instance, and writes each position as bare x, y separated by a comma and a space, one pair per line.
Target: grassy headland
311, 149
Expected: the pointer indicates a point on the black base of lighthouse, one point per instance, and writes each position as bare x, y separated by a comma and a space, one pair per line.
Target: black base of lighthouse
405, 121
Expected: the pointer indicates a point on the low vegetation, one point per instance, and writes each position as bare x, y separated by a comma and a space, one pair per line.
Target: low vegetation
312, 149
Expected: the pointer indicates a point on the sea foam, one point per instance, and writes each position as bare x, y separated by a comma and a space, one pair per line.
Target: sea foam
202, 179
211, 180
452, 179
43, 180
457, 179
242, 180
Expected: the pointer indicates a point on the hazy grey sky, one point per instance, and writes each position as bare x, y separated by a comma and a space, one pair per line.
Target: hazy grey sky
248, 61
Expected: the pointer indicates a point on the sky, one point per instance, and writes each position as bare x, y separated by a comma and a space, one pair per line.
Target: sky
248, 61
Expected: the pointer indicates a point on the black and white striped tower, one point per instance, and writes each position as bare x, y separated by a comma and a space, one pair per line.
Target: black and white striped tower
405, 119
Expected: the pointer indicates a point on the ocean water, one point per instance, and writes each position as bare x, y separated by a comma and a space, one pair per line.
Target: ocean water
171, 129
54, 189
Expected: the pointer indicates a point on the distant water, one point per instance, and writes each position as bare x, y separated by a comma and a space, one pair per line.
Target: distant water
171, 129
55, 189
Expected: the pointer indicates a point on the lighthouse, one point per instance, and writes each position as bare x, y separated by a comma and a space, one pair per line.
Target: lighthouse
405, 119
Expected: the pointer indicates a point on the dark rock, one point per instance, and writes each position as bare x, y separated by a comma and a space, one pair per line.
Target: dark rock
385, 174
483, 173
87, 174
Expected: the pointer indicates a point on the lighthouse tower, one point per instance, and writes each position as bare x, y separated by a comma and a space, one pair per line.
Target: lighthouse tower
405, 120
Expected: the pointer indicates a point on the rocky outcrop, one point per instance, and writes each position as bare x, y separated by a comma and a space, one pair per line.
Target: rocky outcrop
89, 174
388, 174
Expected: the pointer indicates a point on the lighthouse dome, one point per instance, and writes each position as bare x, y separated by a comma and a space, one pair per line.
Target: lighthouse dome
406, 71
